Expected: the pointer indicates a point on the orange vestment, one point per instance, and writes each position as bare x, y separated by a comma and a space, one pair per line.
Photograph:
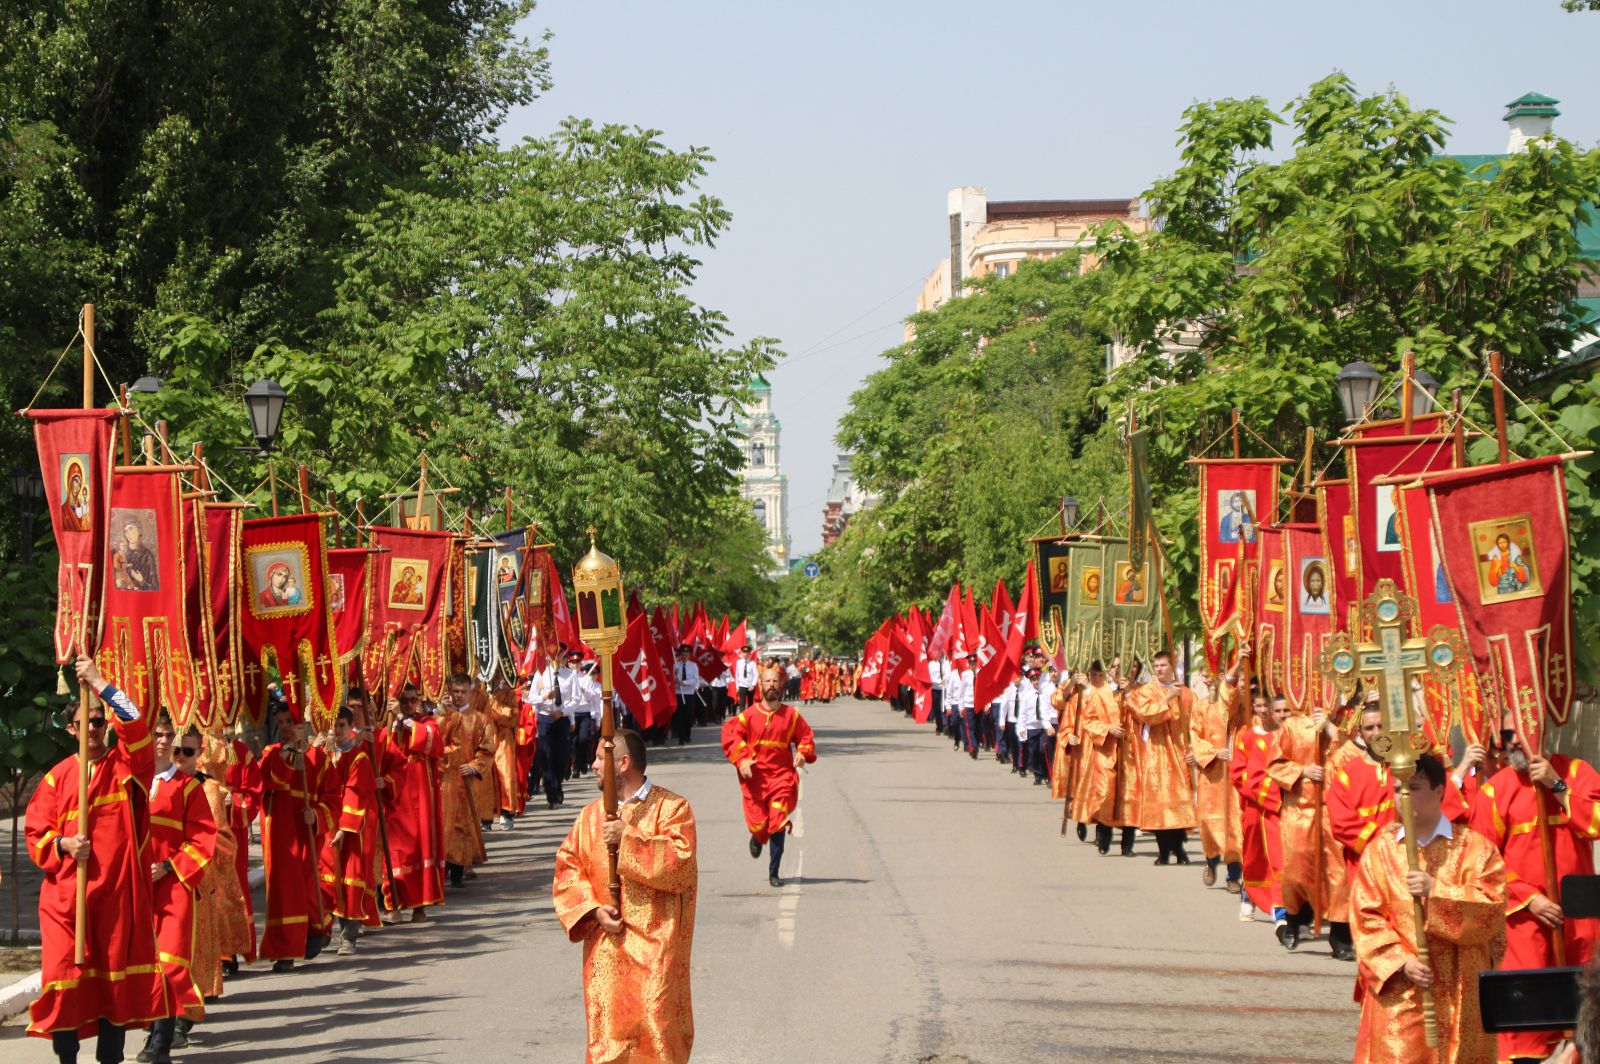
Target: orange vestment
636, 984
1303, 819
1466, 919
464, 803
1159, 718
1068, 757
1216, 802
1096, 797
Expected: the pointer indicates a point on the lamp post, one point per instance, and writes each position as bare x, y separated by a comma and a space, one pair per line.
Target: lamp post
1069, 513
602, 624
147, 385
27, 488
1423, 396
264, 400
1358, 386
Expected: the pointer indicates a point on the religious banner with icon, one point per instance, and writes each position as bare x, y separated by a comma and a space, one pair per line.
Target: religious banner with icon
1307, 620
406, 619
1053, 559
1375, 507
144, 638
1237, 496
514, 589
1504, 536
1271, 611
211, 541
76, 462
1341, 551
1086, 603
287, 618
1132, 628
457, 656
483, 616
350, 572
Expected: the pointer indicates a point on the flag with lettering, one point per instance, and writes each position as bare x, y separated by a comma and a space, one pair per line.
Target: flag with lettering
638, 675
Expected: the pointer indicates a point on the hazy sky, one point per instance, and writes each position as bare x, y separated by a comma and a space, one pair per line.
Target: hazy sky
838, 128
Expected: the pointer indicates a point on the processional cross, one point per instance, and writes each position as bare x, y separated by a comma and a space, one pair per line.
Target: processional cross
1389, 662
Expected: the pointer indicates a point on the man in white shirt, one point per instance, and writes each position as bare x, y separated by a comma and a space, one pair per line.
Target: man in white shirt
745, 677
1048, 719
555, 732
936, 678
585, 708
969, 718
1005, 725
691, 702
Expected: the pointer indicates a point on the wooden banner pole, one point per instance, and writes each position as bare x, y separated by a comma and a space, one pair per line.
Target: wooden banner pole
80, 944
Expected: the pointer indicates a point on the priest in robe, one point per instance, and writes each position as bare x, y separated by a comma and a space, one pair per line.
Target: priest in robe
1160, 711
1313, 881
1507, 813
119, 985
298, 795
766, 744
1212, 726
1100, 724
466, 778
349, 857
409, 752
1260, 800
1461, 883
635, 949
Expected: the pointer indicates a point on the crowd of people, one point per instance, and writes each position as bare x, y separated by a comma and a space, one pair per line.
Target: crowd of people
1297, 813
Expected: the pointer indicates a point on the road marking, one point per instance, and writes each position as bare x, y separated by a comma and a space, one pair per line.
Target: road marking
789, 904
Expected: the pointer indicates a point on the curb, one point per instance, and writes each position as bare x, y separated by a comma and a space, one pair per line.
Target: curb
16, 997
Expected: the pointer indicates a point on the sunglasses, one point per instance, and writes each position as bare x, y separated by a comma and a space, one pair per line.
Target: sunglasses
187, 751
96, 722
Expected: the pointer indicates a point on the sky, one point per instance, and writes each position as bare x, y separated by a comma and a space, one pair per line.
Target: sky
838, 128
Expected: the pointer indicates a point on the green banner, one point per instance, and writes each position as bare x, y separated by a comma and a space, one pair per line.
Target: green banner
1132, 628
483, 617
1086, 596
1053, 563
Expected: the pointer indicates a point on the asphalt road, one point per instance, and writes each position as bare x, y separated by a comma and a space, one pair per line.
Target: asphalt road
932, 914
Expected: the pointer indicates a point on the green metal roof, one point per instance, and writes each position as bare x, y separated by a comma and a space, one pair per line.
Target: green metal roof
760, 384
1532, 103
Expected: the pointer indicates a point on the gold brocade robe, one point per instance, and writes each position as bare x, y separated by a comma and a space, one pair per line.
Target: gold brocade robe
1158, 725
1307, 875
468, 740
636, 984
1216, 801
1096, 797
510, 785
221, 922
1466, 924
1068, 763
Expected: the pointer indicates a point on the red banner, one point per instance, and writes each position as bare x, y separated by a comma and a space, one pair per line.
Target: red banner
1308, 613
144, 641
76, 462
1237, 496
1271, 610
211, 538
1503, 531
287, 617
407, 611
640, 677
455, 612
1342, 547
350, 572
1376, 506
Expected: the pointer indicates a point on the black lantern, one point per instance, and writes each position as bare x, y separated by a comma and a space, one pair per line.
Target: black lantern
1069, 512
147, 385
265, 401
1424, 390
1358, 386
19, 486
27, 488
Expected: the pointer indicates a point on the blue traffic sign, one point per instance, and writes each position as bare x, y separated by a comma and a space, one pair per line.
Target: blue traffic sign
813, 569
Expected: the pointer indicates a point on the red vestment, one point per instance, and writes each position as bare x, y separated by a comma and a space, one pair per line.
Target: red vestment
773, 788
121, 977
527, 747
244, 801
349, 879
182, 831
289, 848
1360, 801
1506, 813
1260, 800
416, 835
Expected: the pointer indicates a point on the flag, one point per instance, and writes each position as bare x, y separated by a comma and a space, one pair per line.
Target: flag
731, 643
1132, 628
1271, 620
1308, 620
939, 641
1375, 507
639, 678
1237, 496
1002, 609
287, 617
407, 611
1086, 604
76, 462
897, 657
211, 538
1506, 543
144, 637
1053, 568
350, 597
992, 670
483, 617
971, 634
1025, 622
1139, 496
870, 682
1341, 546
921, 681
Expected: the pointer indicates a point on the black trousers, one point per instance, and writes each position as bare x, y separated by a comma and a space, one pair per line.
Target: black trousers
938, 711
109, 1046
683, 719
555, 748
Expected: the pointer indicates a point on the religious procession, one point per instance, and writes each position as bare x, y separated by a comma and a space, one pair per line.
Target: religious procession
520, 552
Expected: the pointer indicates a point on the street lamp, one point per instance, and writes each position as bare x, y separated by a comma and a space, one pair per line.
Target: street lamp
1423, 393
265, 400
1069, 512
1358, 387
27, 488
147, 385
603, 625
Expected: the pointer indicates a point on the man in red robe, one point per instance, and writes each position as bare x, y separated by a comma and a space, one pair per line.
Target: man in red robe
411, 751
1564, 792
119, 985
243, 799
183, 838
1260, 800
297, 803
766, 744
349, 876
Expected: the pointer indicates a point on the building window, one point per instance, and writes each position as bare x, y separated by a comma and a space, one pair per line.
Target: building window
1002, 269
760, 508
758, 454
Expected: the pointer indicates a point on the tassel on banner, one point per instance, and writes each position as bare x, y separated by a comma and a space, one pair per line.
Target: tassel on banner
61, 682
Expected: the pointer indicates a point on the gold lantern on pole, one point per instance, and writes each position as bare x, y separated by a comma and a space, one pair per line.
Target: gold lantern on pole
602, 624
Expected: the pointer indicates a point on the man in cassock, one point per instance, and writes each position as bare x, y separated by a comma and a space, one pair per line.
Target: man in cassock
636, 948
243, 785
510, 785
120, 983
349, 875
1211, 733
1100, 724
1313, 867
183, 839
297, 803
465, 780
1507, 813
410, 751
1161, 710
1260, 800
766, 744
1462, 887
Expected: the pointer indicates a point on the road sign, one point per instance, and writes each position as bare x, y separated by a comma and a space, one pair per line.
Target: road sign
813, 569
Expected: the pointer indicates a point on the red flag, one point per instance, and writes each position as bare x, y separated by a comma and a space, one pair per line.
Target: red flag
971, 634
731, 644
211, 537
921, 683
76, 462
350, 597
1025, 620
871, 682
1237, 496
897, 657
1341, 546
994, 670
144, 639
288, 617
637, 675
706, 652
1003, 610
1374, 506
939, 640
